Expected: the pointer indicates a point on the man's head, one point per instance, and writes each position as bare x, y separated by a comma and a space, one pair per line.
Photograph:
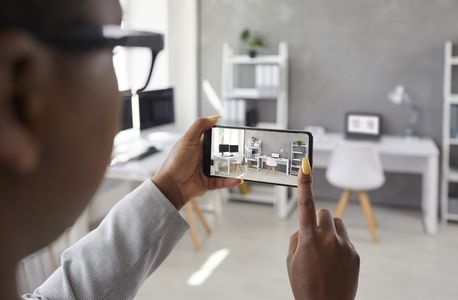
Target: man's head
58, 116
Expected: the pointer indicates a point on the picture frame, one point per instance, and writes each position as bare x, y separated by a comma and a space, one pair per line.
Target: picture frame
363, 126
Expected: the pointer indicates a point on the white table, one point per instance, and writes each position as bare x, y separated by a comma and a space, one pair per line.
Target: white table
141, 170
227, 159
281, 161
398, 154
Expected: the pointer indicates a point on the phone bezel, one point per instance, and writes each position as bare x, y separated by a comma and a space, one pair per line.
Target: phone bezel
206, 151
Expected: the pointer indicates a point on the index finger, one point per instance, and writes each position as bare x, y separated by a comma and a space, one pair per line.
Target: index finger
306, 203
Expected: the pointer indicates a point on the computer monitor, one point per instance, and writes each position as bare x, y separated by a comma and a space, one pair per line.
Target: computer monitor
234, 148
156, 108
127, 121
223, 148
127, 132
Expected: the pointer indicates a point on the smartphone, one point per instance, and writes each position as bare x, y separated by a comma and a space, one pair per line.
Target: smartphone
260, 155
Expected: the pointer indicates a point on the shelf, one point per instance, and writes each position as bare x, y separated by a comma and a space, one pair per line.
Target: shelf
253, 94
453, 141
303, 146
453, 175
297, 152
260, 194
258, 60
296, 159
454, 60
452, 217
453, 98
270, 125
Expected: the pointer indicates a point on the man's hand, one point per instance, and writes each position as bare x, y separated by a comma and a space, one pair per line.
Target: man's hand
322, 262
181, 177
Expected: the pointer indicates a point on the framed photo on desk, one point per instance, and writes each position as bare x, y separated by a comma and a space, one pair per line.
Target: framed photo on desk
363, 126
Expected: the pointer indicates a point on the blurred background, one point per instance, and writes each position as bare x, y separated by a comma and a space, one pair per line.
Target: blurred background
376, 82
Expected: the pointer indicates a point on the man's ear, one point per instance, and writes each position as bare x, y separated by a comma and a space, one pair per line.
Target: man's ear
22, 71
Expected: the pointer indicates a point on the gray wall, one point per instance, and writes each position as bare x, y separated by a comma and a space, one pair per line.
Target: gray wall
345, 55
273, 143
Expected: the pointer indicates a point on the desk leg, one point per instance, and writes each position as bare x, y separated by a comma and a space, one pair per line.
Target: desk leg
228, 167
430, 194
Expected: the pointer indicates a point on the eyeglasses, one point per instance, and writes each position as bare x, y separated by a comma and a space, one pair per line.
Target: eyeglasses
76, 39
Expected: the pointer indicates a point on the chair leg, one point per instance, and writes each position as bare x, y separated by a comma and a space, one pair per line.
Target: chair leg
342, 205
368, 212
192, 224
373, 214
201, 216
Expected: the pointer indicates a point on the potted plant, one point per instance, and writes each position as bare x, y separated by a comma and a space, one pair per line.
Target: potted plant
253, 41
300, 142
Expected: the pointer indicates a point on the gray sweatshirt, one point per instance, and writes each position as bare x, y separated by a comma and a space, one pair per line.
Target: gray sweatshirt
113, 261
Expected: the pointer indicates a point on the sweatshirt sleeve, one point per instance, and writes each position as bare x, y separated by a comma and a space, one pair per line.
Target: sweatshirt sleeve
113, 261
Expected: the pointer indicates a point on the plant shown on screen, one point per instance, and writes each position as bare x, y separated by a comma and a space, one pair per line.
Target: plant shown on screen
253, 40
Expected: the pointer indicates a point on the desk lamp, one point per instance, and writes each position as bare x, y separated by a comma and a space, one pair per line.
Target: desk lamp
399, 96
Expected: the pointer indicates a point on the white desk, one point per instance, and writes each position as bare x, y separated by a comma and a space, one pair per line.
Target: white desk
398, 154
227, 159
141, 170
281, 161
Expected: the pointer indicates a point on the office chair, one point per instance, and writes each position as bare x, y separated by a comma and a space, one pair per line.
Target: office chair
236, 163
272, 165
356, 168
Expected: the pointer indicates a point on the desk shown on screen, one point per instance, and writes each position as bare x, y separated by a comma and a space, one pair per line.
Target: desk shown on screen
398, 154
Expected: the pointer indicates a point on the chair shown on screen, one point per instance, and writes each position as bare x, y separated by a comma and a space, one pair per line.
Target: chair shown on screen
236, 164
271, 165
356, 169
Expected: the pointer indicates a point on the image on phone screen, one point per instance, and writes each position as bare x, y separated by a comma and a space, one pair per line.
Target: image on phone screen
260, 155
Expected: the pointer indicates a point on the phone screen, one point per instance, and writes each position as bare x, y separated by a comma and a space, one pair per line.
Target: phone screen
260, 155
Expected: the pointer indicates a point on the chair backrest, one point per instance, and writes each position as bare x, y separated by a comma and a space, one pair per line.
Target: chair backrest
238, 159
271, 162
356, 167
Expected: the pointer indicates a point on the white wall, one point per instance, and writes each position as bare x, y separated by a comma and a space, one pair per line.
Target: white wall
183, 52
177, 64
148, 15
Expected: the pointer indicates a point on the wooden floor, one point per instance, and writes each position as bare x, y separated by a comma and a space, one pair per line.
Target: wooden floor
406, 264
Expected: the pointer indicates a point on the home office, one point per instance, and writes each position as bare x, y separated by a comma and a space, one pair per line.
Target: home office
373, 82
256, 155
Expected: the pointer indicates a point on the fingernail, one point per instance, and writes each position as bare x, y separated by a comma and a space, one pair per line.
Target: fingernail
306, 168
214, 117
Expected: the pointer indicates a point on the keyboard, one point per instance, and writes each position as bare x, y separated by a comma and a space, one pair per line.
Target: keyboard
149, 151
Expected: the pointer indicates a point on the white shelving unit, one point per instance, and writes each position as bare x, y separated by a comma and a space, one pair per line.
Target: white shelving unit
230, 90
297, 154
449, 207
276, 195
256, 149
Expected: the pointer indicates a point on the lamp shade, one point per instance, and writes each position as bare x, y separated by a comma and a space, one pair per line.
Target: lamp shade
398, 95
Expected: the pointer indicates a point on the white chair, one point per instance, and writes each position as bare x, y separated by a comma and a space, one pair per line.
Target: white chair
271, 165
236, 163
356, 168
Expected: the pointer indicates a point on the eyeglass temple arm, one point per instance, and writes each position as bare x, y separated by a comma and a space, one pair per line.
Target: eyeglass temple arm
150, 73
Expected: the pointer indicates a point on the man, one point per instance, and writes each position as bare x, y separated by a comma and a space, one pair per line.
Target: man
59, 108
